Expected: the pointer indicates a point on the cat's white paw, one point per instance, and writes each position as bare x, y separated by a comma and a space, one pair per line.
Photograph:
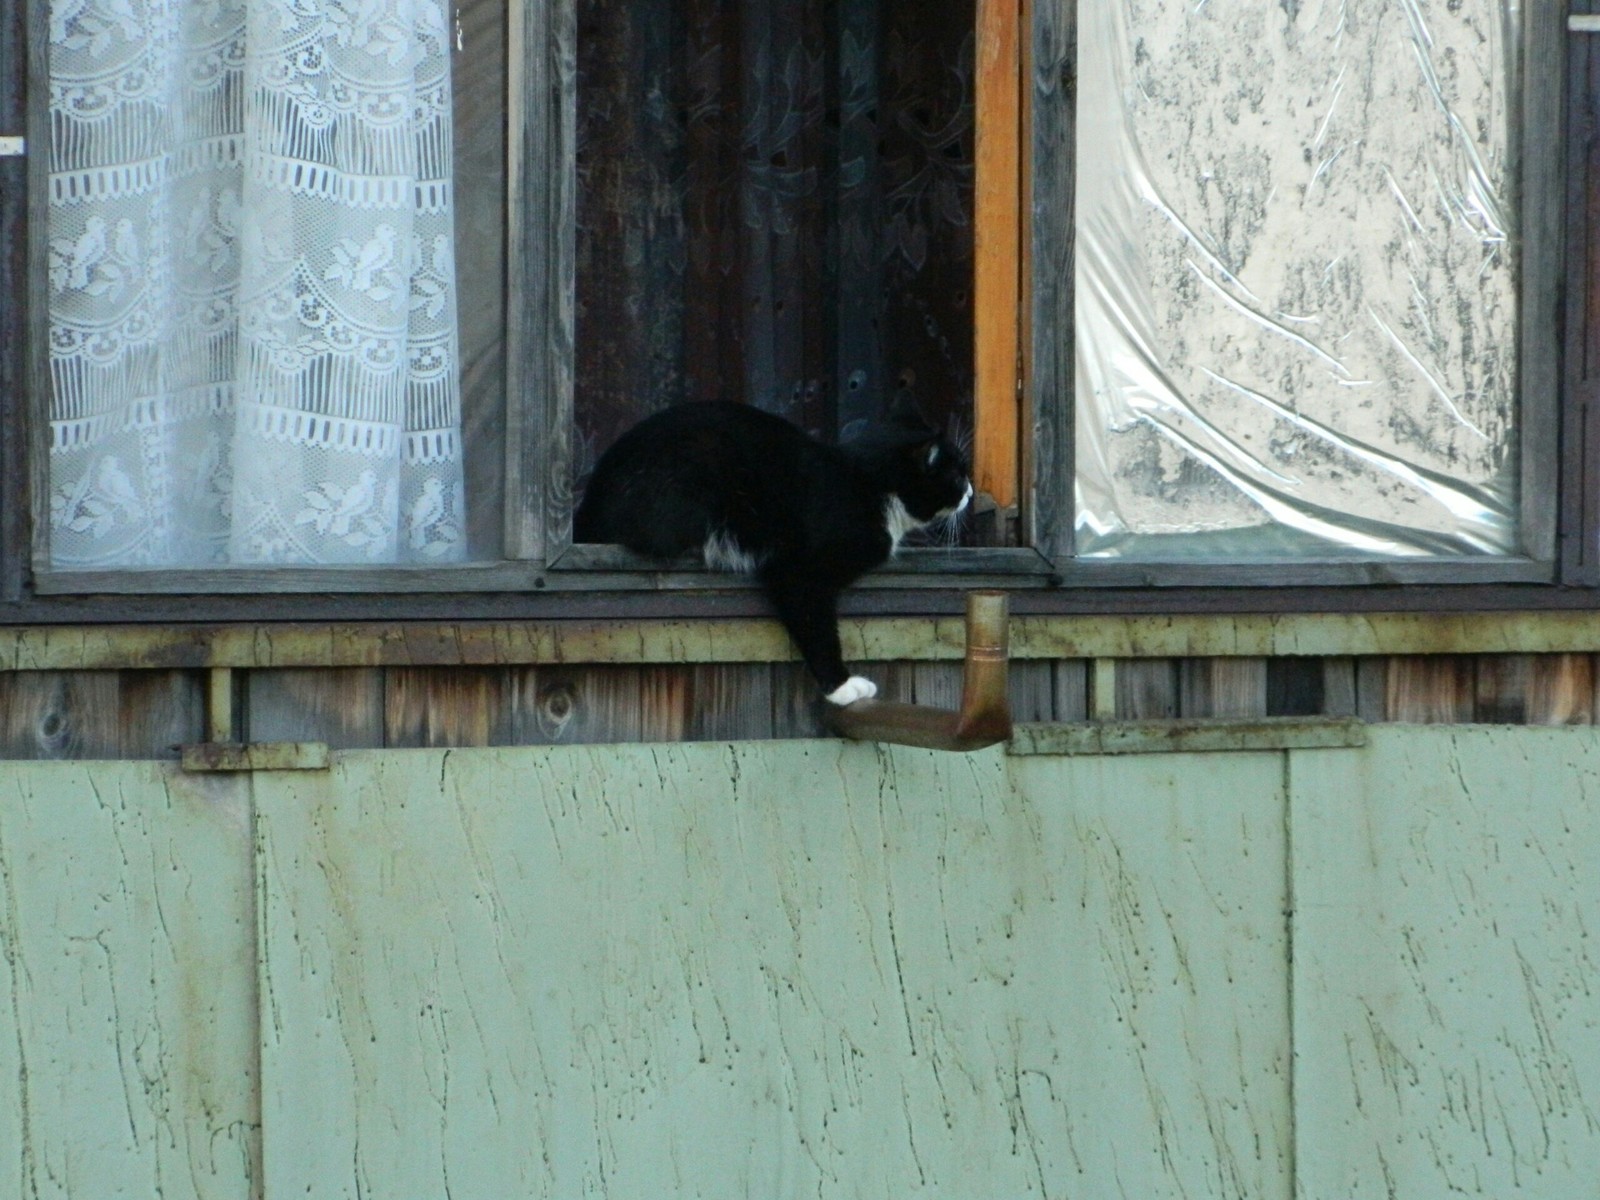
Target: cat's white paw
853, 689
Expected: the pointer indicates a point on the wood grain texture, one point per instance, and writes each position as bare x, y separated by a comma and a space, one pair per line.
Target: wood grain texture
997, 237
1434, 690
1543, 272
1148, 689
1561, 690
342, 707
61, 715
541, 272
1447, 1033
128, 1063
795, 969
1054, 56
459, 706
1222, 687
1071, 687
159, 711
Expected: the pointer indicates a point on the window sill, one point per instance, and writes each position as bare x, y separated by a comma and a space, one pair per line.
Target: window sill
254, 645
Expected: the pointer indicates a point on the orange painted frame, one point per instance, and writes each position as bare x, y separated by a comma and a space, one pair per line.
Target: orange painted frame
999, 252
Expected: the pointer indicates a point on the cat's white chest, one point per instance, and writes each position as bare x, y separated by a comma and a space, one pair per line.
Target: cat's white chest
897, 522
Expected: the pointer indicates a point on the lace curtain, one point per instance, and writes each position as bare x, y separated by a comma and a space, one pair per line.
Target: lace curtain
252, 290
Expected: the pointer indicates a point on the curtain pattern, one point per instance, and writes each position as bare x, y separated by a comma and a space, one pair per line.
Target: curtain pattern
252, 289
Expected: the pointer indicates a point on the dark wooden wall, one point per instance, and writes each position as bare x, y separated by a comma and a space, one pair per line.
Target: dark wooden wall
144, 714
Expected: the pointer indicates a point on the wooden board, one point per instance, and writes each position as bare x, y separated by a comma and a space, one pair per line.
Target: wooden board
796, 968
127, 984
1447, 1030
997, 238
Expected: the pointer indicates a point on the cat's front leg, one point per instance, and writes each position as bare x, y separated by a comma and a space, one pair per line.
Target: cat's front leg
809, 612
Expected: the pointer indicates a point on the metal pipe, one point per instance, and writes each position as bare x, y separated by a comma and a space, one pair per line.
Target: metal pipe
985, 714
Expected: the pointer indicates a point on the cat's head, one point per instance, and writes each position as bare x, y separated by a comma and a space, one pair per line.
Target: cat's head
926, 470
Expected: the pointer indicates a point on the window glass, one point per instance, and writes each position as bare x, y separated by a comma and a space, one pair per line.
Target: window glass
255, 348
1296, 288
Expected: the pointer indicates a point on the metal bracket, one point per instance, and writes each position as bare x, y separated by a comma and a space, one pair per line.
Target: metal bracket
13, 147
1583, 23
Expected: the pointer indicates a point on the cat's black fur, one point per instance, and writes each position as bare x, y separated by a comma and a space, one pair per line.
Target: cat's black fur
751, 492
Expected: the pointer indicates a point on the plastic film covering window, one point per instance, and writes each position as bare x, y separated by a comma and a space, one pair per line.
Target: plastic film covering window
1296, 278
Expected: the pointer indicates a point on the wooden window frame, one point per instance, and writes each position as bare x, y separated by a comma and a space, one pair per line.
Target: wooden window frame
1026, 416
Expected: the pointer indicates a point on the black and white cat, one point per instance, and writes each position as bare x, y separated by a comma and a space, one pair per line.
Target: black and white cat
755, 495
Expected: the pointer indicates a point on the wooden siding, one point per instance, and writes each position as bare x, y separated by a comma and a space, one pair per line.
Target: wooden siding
147, 714
808, 968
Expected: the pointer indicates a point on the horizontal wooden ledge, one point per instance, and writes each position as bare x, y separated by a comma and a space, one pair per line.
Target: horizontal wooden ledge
1187, 736
866, 639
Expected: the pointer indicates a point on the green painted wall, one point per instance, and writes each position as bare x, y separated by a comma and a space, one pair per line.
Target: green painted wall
809, 969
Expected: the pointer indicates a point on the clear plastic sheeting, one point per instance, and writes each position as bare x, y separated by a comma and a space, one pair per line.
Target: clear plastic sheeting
1296, 278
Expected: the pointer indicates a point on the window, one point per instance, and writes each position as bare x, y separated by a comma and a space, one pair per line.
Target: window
676, 186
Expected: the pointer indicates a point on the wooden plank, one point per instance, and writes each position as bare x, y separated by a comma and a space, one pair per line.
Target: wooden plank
343, 707
1031, 691
1339, 687
1147, 689
1541, 274
60, 714
255, 756
1187, 735
1510, 618
1501, 688
1053, 52
35, 306
20, 26
222, 705
158, 711
1444, 1024
1072, 688
1561, 690
997, 237
727, 701
128, 1031
796, 701
575, 705
1222, 687
478, 116
1433, 690
541, 279
852, 956
1372, 689
455, 706
939, 636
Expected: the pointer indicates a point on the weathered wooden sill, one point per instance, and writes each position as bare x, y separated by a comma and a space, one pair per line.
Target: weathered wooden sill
1187, 736
755, 640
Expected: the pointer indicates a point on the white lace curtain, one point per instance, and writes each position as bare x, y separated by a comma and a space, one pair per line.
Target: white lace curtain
252, 287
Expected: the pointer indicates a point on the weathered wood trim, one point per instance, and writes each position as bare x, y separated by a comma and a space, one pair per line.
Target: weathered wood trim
1053, 54
1543, 165
256, 756
499, 643
1580, 427
913, 560
541, 288
1352, 572
1187, 736
34, 409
